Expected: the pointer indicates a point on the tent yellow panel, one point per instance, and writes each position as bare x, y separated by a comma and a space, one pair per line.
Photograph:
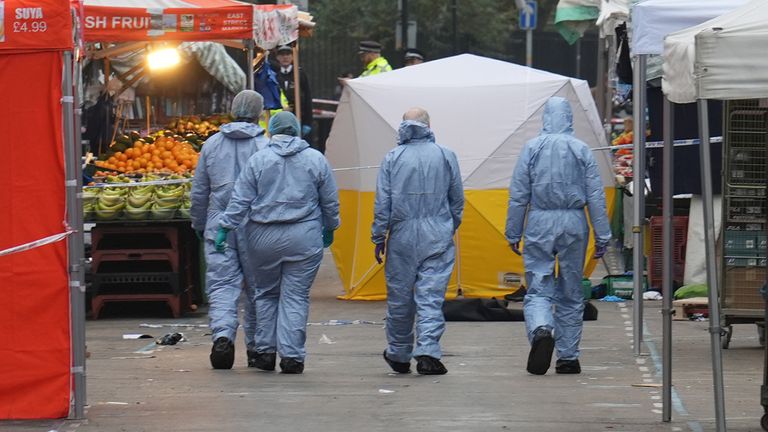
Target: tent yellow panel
362, 277
485, 265
489, 268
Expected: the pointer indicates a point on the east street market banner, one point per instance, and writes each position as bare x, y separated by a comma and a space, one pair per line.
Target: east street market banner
189, 20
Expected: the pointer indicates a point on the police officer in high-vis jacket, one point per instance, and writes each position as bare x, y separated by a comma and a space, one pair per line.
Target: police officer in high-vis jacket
373, 62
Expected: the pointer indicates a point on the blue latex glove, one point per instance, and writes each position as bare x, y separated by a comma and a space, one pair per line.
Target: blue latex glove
516, 248
379, 252
221, 239
327, 238
306, 130
600, 251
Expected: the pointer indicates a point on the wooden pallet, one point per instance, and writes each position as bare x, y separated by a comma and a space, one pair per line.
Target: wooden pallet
684, 308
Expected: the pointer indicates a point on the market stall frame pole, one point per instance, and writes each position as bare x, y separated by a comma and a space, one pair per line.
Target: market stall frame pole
638, 189
249, 68
75, 249
712, 280
296, 83
667, 288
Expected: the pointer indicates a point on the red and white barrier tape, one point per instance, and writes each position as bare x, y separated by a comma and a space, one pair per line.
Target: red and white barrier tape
36, 244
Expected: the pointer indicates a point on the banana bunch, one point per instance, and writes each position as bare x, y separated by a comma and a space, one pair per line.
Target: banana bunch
110, 203
90, 197
186, 204
168, 200
139, 202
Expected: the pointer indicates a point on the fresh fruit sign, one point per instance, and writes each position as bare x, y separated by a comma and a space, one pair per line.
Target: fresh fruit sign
105, 23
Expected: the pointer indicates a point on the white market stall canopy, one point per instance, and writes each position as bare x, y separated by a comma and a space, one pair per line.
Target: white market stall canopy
486, 118
652, 20
724, 58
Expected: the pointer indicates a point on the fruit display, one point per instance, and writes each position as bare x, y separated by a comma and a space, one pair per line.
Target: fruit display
202, 127
622, 158
162, 153
131, 199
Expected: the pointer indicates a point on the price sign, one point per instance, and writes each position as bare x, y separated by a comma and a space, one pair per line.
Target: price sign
35, 24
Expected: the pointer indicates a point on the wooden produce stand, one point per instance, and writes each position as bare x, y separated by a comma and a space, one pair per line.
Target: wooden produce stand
155, 257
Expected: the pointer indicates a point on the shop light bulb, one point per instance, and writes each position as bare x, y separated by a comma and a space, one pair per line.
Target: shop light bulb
164, 58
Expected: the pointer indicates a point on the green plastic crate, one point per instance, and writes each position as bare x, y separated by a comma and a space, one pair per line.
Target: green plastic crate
586, 287
622, 286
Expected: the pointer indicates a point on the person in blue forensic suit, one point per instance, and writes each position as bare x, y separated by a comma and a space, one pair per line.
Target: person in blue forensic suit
555, 179
418, 208
222, 158
288, 196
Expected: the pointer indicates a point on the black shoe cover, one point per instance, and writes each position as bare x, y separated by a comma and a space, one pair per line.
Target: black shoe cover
263, 361
398, 367
222, 353
540, 356
291, 366
430, 366
568, 366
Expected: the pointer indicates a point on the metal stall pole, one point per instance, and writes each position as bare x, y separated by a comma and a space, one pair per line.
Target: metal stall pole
667, 288
529, 47
296, 84
75, 247
608, 95
638, 189
712, 281
249, 68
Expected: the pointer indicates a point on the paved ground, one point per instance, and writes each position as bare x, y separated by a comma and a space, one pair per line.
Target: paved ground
134, 386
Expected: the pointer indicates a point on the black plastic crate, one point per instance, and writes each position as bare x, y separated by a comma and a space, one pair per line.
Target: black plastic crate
136, 283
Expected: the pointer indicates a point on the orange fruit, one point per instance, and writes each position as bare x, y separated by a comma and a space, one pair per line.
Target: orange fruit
187, 163
112, 160
150, 166
136, 164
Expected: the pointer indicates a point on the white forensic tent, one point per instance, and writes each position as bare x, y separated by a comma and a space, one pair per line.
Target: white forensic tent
723, 58
485, 118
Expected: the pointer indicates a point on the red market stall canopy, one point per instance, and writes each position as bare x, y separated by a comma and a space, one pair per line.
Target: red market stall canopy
35, 25
188, 20
35, 83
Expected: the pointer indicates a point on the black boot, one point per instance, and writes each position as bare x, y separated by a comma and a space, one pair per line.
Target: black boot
222, 353
540, 356
430, 366
568, 366
396, 366
291, 366
263, 361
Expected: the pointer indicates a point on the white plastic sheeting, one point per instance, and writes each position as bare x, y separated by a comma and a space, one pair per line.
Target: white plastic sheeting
652, 20
612, 14
723, 58
695, 251
216, 61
